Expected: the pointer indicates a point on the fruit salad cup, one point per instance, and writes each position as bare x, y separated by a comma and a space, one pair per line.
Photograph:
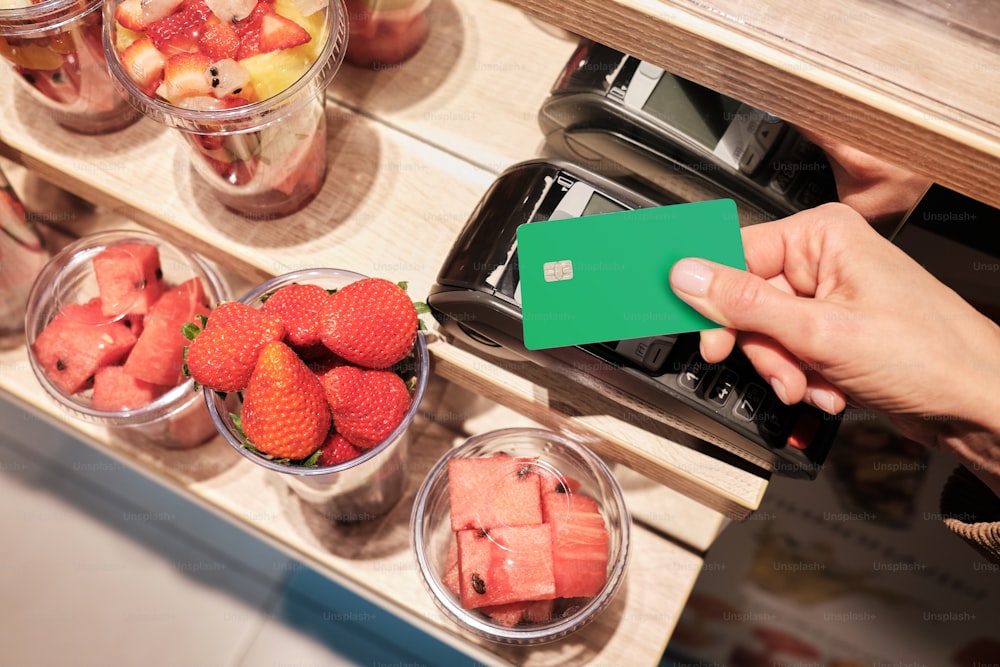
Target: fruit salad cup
104, 335
385, 32
54, 47
521, 535
22, 256
244, 82
361, 486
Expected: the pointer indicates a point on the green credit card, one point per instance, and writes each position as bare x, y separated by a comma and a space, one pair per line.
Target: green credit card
606, 277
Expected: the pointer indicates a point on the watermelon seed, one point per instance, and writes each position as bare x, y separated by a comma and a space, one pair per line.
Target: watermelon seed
478, 584
523, 472
561, 488
482, 532
60, 365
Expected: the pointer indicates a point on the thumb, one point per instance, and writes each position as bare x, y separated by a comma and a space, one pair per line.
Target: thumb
734, 298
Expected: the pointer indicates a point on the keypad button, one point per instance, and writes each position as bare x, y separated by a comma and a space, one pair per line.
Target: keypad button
750, 402
723, 387
693, 373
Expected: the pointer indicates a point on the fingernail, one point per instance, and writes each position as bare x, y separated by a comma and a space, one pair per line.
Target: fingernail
822, 399
779, 388
691, 277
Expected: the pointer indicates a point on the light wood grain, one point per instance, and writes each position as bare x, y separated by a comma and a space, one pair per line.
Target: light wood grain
889, 81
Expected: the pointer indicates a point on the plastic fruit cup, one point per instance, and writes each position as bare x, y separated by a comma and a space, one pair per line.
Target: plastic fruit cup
430, 529
55, 49
385, 32
22, 256
176, 419
262, 160
362, 488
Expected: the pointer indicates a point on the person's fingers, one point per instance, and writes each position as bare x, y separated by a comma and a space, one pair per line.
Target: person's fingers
737, 299
776, 365
716, 344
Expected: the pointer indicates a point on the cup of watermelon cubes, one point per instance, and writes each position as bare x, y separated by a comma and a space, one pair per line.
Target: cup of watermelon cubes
243, 82
103, 329
55, 49
521, 535
357, 474
385, 32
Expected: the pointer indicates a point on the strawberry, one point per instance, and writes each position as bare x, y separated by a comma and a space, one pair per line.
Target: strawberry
249, 28
370, 322
186, 75
368, 415
336, 450
129, 15
219, 40
144, 63
154, 10
278, 32
285, 413
340, 381
179, 32
222, 355
299, 307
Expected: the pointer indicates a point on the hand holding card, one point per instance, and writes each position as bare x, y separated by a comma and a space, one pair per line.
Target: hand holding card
606, 277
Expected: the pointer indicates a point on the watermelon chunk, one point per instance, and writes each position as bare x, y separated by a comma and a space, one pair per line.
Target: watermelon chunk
159, 351
551, 479
580, 543
492, 491
129, 278
78, 341
450, 577
115, 390
525, 611
506, 564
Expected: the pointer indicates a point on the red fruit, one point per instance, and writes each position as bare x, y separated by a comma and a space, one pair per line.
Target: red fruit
285, 413
300, 307
129, 278
337, 449
144, 63
278, 32
186, 75
341, 382
367, 416
249, 29
219, 40
129, 15
179, 32
115, 389
223, 355
371, 322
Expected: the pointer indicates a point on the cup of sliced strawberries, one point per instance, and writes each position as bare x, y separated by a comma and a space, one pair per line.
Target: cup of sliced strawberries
521, 535
244, 81
104, 331
317, 375
55, 49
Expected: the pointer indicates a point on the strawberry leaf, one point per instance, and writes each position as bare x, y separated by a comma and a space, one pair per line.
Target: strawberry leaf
310, 461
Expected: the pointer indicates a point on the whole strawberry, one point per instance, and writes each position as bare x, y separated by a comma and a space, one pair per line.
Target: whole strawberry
367, 415
371, 322
223, 354
300, 307
337, 449
285, 413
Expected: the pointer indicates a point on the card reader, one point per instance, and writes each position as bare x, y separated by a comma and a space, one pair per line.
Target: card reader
477, 298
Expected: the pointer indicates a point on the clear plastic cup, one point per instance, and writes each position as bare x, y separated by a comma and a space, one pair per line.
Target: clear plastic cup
178, 418
54, 48
385, 32
22, 256
266, 159
363, 488
559, 457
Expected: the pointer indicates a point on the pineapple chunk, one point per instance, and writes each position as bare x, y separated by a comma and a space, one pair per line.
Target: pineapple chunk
273, 72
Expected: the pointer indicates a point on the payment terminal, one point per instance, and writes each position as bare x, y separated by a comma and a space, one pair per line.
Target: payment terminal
615, 113
477, 299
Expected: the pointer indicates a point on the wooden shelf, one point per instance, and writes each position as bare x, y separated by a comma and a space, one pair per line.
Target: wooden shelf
886, 77
411, 151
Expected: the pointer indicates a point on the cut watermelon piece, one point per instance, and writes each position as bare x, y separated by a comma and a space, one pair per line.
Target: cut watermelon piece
115, 390
504, 565
159, 351
579, 544
491, 492
77, 342
450, 577
551, 479
129, 278
525, 611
